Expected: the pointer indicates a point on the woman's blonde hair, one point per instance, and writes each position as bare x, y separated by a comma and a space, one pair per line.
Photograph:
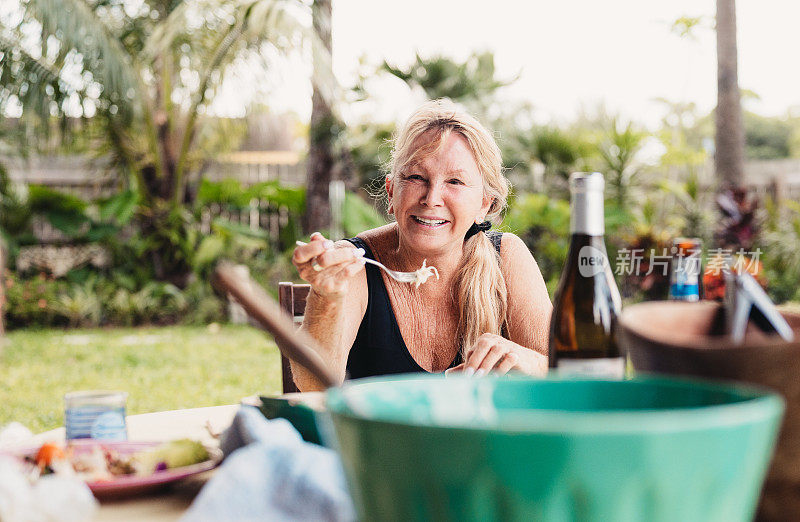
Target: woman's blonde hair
480, 288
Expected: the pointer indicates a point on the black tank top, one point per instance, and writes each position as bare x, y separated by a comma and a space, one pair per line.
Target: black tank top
379, 348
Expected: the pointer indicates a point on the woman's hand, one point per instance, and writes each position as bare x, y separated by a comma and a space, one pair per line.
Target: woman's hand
496, 354
326, 268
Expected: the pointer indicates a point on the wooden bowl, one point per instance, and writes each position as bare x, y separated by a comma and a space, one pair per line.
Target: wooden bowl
680, 339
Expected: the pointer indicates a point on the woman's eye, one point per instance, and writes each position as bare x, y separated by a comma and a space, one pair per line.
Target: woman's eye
414, 177
455, 182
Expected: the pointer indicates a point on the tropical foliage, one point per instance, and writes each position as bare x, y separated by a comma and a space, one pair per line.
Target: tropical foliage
125, 292
163, 143
146, 74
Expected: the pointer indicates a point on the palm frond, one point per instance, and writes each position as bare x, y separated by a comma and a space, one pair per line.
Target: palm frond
165, 33
78, 28
289, 21
256, 21
285, 24
35, 82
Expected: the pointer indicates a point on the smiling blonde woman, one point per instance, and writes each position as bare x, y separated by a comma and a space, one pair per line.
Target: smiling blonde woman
489, 308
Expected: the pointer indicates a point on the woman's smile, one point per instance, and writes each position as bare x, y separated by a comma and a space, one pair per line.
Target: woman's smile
430, 222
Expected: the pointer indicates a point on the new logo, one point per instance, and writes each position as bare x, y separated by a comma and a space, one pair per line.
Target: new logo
591, 261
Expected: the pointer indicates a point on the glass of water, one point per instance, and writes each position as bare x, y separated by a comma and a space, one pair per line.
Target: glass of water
95, 415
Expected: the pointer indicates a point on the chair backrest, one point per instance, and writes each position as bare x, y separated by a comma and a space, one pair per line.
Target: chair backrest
292, 299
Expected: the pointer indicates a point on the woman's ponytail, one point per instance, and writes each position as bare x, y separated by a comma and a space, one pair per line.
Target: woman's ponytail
480, 291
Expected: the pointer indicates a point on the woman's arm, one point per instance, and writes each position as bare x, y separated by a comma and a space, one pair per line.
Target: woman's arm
529, 304
335, 305
528, 319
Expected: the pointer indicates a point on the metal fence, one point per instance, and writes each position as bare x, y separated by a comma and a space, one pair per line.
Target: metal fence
90, 179
87, 178
260, 215
251, 167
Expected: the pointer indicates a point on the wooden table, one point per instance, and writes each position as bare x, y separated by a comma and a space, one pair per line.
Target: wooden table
163, 425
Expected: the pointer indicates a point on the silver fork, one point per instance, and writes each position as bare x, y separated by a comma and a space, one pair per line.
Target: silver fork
403, 277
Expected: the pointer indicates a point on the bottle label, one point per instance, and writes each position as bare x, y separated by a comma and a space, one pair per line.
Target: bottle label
684, 292
95, 422
591, 261
110, 426
603, 368
684, 283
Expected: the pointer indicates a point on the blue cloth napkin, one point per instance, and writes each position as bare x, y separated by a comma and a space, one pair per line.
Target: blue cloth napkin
270, 473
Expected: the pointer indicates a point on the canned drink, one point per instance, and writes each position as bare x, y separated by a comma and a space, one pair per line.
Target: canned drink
686, 274
95, 415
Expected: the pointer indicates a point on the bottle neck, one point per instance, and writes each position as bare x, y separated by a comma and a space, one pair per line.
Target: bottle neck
586, 213
579, 240
587, 251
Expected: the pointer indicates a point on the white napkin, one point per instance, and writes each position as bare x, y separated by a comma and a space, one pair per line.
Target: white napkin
13, 434
51, 498
270, 473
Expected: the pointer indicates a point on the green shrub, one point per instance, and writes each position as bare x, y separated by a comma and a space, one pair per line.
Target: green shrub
781, 262
64, 211
359, 215
130, 292
32, 302
120, 308
543, 224
155, 303
81, 306
204, 306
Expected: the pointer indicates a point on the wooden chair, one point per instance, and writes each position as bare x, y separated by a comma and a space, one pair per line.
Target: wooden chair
292, 299
269, 315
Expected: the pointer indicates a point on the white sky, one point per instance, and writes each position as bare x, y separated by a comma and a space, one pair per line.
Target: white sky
569, 52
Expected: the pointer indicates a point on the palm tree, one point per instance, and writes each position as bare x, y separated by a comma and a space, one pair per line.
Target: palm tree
322, 134
147, 74
729, 156
472, 82
617, 151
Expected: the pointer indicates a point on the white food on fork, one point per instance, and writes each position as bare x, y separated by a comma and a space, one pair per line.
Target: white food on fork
418, 277
424, 273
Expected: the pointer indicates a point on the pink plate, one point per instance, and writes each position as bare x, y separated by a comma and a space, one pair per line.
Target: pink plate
124, 486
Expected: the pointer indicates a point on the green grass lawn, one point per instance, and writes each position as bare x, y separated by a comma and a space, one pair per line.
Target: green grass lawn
161, 368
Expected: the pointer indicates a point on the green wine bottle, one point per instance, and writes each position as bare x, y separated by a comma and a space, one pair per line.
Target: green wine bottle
583, 337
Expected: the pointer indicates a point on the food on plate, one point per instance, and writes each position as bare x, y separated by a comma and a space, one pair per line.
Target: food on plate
174, 454
48, 453
103, 463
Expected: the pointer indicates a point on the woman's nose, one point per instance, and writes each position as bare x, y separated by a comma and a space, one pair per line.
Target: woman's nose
433, 195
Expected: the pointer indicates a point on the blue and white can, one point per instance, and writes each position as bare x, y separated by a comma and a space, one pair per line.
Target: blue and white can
95, 415
687, 269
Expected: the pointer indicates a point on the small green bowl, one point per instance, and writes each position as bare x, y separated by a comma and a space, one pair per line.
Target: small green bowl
430, 448
302, 417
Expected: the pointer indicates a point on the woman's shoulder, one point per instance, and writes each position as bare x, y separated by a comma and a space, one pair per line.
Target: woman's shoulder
514, 253
379, 233
523, 277
511, 243
381, 239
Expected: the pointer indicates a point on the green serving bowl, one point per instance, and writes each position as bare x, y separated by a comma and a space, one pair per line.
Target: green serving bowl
301, 416
430, 448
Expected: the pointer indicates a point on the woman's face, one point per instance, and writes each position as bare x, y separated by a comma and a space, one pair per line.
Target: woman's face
436, 200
